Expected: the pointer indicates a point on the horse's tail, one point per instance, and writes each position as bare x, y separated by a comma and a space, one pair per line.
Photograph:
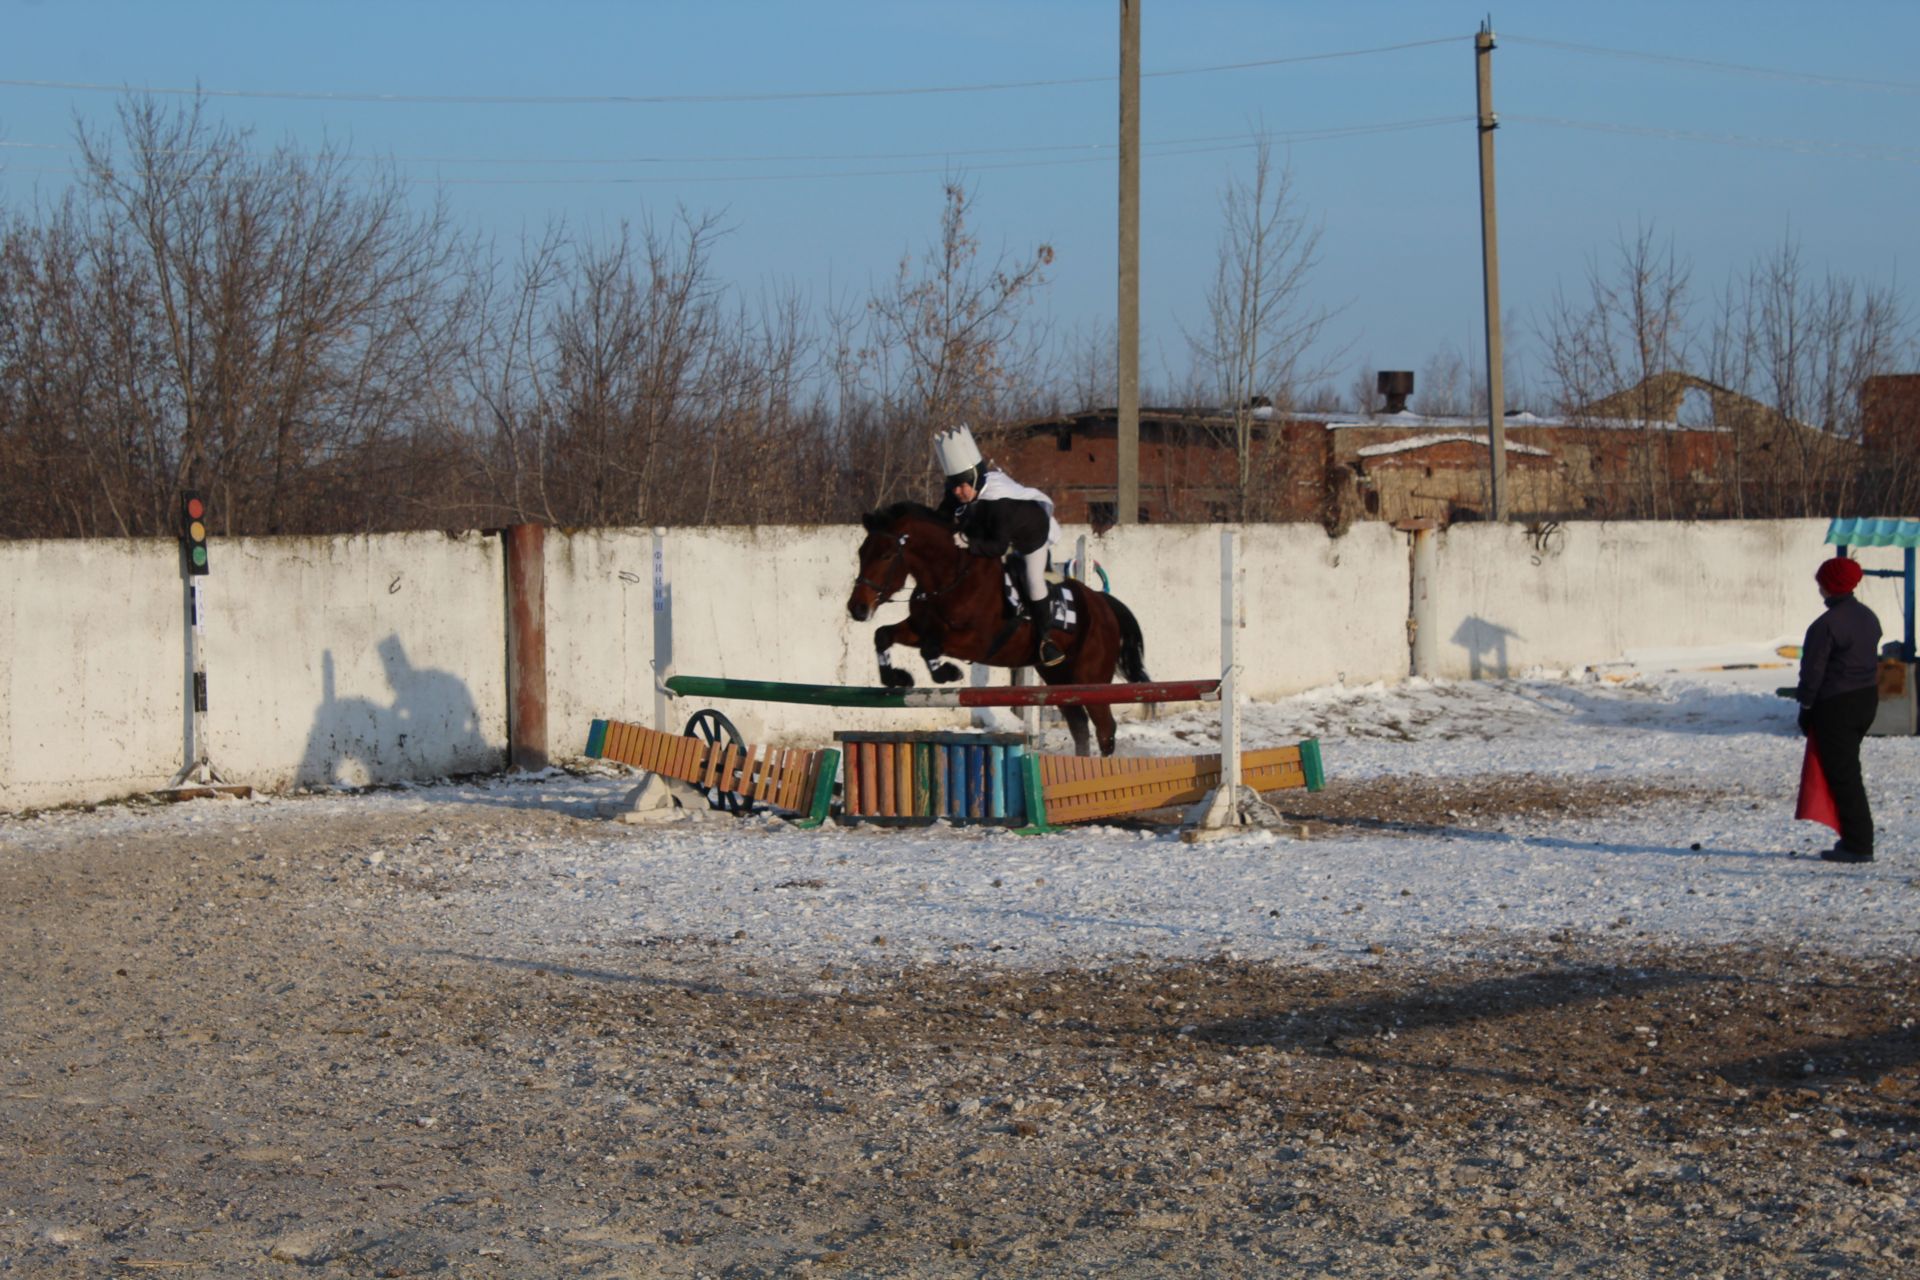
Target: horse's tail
1133, 645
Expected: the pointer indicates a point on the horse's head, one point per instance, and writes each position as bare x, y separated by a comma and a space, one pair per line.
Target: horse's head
886, 554
883, 564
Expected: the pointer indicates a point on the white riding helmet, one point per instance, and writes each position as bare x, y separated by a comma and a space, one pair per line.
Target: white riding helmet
959, 456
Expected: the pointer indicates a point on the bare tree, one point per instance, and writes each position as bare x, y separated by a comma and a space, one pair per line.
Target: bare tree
945, 342
1257, 349
283, 320
1804, 346
1610, 347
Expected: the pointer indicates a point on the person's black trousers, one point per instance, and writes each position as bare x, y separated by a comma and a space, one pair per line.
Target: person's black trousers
1838, 724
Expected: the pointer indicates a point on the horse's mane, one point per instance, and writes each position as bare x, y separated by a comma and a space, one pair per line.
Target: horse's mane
908, 510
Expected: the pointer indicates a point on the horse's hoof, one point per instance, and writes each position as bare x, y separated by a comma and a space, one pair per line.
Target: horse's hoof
895, 678
945, 673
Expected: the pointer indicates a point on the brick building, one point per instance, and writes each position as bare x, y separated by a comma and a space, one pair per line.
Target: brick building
1675, 445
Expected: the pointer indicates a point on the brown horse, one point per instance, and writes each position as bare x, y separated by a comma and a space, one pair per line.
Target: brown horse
959, 609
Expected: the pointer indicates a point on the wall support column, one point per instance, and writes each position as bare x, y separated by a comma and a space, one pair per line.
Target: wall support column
1423, 639
526, 646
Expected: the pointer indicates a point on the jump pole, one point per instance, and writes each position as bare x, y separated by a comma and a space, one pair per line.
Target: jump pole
842, 695
1219, 813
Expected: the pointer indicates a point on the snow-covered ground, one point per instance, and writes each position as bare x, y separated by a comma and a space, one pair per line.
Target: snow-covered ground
1719, 860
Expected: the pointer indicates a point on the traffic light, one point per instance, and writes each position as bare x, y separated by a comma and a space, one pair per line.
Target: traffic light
193, 531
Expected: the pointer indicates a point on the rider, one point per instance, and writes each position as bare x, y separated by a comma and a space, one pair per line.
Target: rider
995, 513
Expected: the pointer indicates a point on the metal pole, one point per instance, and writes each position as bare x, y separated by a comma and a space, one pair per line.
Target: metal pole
1490, 269
1127, 497
199, 767
1229, 678
662, 629
1907, 607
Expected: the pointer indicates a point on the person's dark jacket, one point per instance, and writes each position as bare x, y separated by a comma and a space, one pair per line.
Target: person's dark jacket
1841, 653
992, 528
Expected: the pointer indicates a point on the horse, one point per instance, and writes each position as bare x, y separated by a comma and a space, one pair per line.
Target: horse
959, 609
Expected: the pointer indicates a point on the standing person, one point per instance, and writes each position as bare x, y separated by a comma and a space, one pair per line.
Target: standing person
996, 514
1839, 694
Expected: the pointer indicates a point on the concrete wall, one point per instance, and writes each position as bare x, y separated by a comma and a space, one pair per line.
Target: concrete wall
770, 604
351, 660
356, 660
1589, 593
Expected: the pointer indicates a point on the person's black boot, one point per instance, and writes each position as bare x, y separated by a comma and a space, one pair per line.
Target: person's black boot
1843, 852
1046, 652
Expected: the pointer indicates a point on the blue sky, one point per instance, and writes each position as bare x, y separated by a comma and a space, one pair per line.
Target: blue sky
1400, 249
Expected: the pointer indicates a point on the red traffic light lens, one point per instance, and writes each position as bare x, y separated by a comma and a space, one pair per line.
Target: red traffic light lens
195, 510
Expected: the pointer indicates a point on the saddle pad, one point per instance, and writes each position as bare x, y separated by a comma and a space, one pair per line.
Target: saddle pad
1065, 615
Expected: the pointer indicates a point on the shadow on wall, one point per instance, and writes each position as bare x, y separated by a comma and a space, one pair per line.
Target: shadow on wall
1486, 646
431, 728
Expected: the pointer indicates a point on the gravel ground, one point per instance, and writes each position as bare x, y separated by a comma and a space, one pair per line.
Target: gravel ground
259, 1039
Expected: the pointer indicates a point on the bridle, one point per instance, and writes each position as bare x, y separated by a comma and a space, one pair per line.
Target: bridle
882, 595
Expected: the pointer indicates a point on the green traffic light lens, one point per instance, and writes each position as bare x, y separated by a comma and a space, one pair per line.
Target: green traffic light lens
200, 555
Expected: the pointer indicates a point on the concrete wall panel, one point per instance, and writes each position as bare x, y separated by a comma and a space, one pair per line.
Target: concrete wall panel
357, 660
1508, 600
93, 675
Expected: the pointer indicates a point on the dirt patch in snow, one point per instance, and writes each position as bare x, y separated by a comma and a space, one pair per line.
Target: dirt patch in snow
257, 1050
1427, 805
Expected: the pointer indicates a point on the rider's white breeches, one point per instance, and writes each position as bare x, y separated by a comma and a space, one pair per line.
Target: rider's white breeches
1036, 563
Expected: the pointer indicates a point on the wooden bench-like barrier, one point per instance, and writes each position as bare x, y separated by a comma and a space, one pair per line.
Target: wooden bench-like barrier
789, 778
1083, 788
919, 778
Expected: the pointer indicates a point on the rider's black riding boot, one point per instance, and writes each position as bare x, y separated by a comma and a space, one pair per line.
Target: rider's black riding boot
1046, 652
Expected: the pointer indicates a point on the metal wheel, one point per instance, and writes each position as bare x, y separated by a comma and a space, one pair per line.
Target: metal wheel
710, 727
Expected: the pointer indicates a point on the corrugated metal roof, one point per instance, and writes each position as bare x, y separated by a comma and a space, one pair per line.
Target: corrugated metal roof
1874, 532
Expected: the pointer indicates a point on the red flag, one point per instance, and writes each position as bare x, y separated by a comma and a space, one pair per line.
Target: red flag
1816, 801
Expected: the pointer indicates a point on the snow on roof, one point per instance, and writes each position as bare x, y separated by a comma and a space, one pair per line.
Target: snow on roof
1402, 421
1443, 437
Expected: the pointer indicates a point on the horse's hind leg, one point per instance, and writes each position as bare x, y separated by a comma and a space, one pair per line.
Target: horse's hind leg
1102, 727
1076, 718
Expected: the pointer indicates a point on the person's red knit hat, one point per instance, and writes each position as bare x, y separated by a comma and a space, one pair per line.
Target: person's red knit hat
1838, 576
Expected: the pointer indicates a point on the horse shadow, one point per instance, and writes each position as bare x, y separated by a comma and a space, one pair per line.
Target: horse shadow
430, 729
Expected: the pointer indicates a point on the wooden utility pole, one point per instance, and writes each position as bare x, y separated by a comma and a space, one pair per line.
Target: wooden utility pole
1127, 503
1490, 274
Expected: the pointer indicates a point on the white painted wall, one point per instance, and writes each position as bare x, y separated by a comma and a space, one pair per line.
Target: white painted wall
347, 659
90, 635
770, 604
1593, 592
375, 659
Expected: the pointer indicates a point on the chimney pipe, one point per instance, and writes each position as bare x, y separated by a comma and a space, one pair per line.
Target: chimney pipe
1396, 385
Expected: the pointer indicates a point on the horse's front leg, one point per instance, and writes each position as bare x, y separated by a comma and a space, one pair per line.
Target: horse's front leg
884, 638
932, 645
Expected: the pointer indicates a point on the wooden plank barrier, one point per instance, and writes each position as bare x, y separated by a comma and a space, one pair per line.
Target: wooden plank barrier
1083, 788
794, 779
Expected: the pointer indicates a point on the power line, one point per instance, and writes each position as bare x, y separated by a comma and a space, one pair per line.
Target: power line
1088, 153
1730, 68
1805, 146
666, 99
